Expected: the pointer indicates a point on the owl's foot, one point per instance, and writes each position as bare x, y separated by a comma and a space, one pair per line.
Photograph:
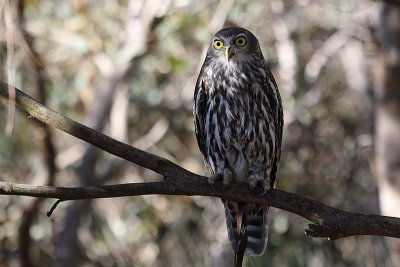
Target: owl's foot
256, 179
215, 177
226, 177
266, 191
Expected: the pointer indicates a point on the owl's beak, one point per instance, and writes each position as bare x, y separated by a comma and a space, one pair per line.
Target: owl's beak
229, 52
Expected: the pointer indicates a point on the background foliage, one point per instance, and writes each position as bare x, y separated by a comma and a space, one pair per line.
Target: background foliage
128, 68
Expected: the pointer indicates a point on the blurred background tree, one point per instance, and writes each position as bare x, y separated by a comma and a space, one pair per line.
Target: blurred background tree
387, 116
128, 69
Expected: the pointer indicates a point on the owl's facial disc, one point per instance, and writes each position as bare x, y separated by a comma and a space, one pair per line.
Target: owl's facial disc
230, 46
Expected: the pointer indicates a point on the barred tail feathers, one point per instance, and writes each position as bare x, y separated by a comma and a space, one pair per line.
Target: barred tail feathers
255, 224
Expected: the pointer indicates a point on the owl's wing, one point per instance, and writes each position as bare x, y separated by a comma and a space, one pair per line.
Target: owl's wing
199, 111
278, 123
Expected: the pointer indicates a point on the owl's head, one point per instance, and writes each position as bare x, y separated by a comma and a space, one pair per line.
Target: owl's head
233, 45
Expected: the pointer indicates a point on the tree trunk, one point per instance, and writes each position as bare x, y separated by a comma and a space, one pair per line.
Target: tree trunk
387, 115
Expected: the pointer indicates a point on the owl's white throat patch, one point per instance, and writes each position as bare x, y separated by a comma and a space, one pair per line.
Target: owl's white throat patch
235, 62
220, 65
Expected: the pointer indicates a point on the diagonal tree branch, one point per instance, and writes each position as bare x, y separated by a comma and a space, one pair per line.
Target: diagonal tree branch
328, 221
44, 114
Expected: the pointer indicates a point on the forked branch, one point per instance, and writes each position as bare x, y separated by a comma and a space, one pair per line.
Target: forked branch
327, 221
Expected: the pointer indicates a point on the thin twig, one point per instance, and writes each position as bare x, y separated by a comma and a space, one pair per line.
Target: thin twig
54, 207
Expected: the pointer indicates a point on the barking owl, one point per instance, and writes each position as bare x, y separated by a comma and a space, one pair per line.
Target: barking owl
238, 120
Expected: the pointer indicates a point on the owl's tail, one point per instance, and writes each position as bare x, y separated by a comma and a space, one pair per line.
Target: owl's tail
252, 220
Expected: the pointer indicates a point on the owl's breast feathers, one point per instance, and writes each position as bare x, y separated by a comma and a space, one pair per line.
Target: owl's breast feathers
236, 110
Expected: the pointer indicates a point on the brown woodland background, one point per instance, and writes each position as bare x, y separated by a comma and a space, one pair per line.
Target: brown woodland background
128, 69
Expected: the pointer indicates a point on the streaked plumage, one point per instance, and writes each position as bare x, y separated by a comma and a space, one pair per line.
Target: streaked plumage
239, 120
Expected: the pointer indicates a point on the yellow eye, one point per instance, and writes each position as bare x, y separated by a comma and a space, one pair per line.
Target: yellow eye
240, 41
218, 44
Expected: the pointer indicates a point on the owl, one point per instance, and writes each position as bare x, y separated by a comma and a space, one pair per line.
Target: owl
238, 123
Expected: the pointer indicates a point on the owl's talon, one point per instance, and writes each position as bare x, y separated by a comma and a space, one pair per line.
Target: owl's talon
265, 184
266, 191
254, 180
253, 184
215, 177
227, 177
